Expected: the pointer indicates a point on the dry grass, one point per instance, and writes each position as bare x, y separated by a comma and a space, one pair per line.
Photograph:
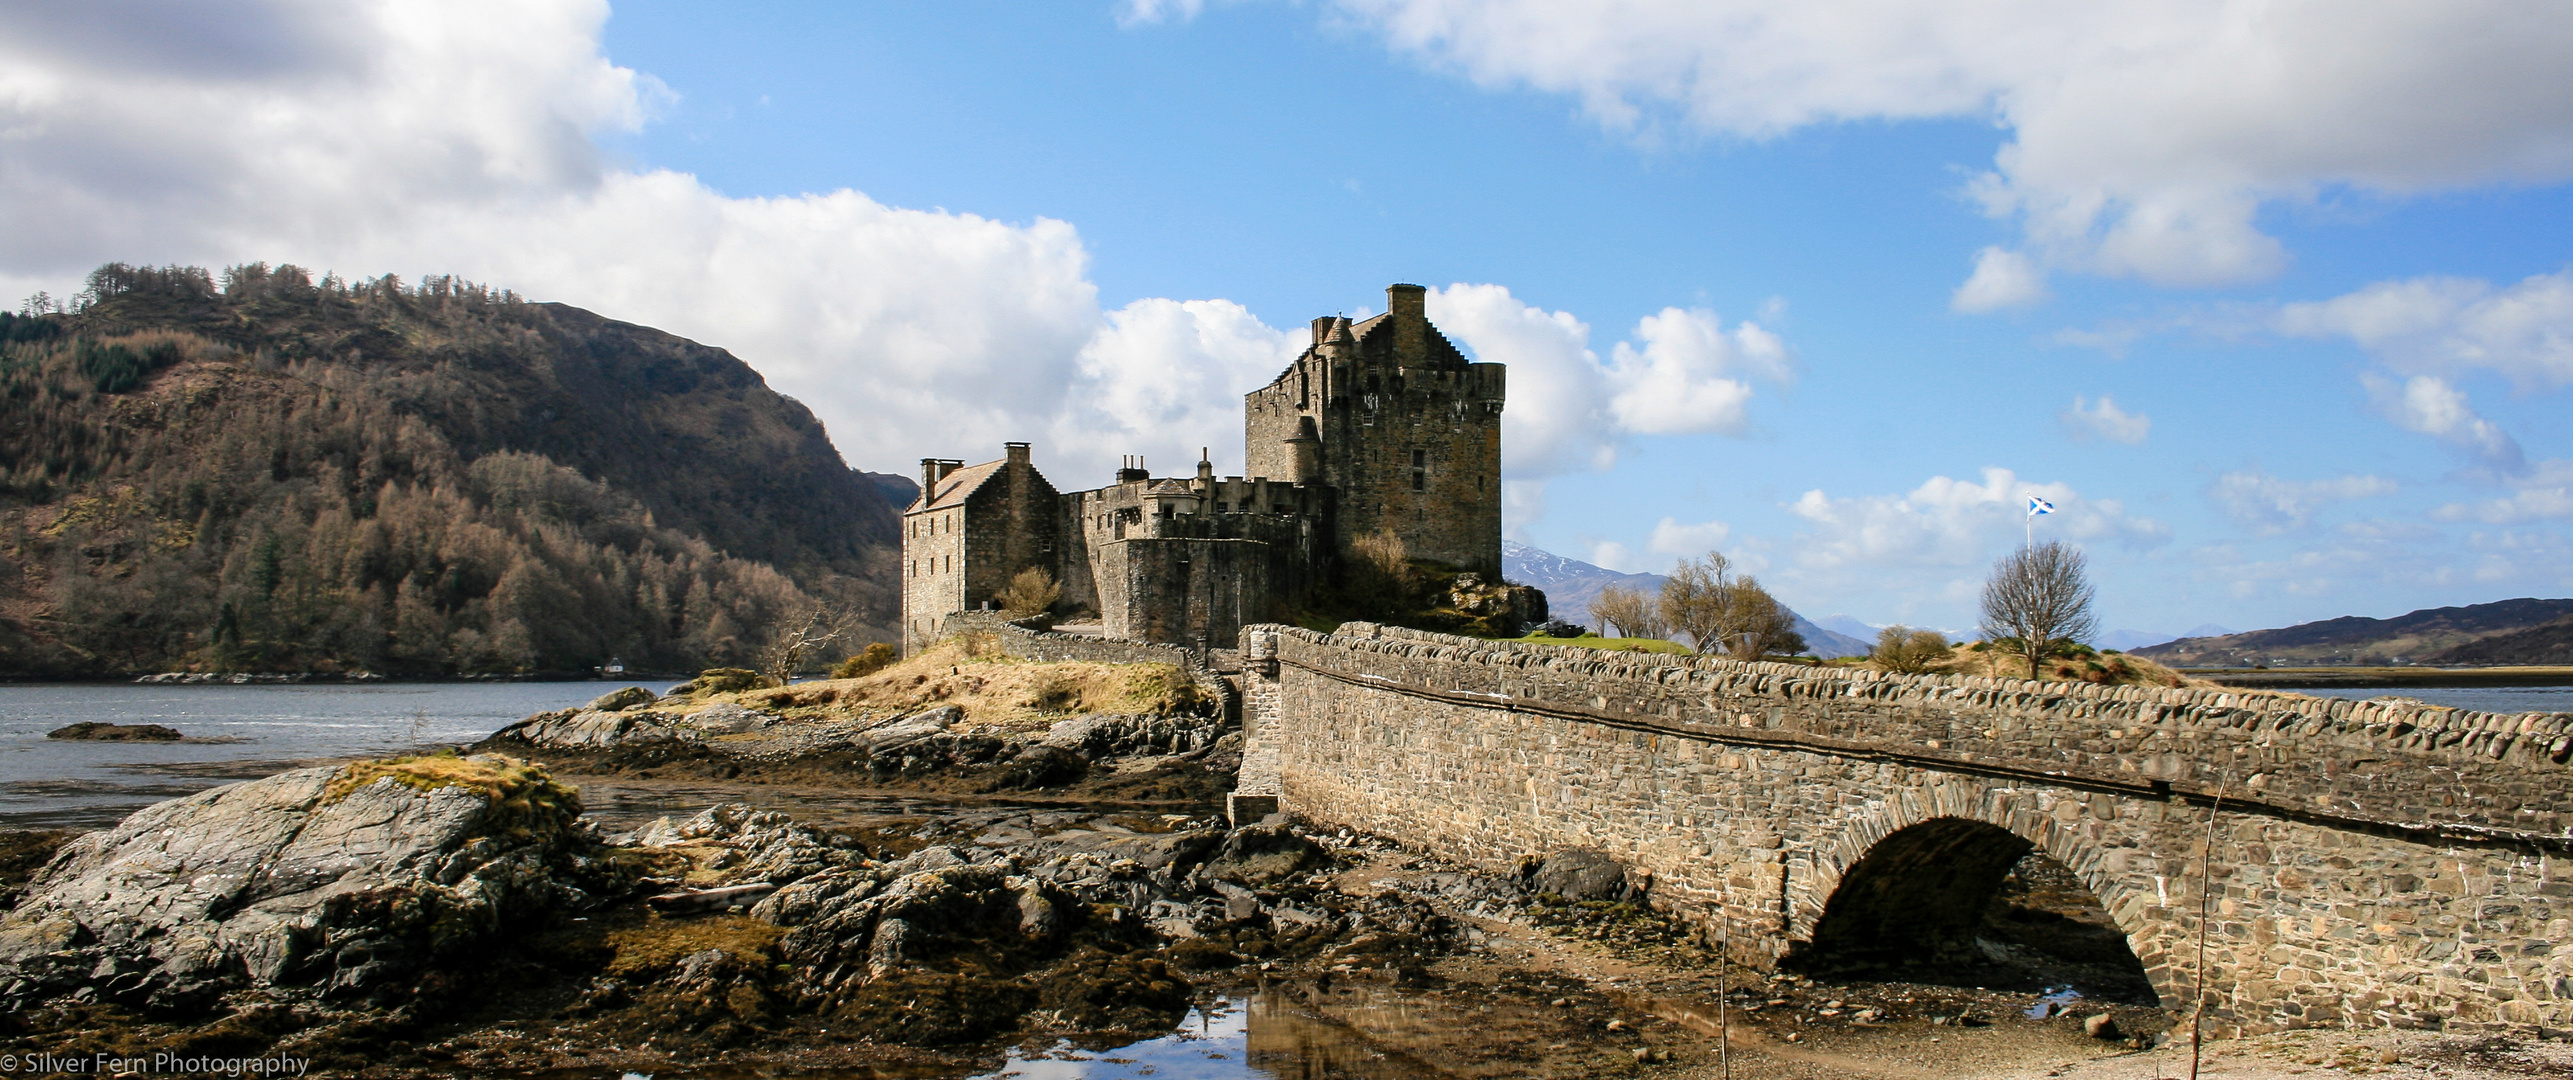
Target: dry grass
523, 796
2115, 669
654, 948
997, 691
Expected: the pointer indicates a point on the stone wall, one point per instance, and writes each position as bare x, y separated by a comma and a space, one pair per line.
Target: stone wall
933, 578
2372, 864
1195, 592
1011, 525
1410, 432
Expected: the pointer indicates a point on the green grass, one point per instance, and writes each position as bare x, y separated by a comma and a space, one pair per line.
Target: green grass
1594, 641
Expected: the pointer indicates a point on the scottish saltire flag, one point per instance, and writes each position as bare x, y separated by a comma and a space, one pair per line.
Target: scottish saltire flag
2038, 506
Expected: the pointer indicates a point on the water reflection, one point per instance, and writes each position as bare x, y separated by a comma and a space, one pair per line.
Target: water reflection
1265, 1036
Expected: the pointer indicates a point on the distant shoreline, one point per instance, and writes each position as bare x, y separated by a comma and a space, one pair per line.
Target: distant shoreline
2324, 678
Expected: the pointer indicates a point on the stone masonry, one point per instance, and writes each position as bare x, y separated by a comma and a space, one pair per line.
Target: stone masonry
1379, 424
2372, 864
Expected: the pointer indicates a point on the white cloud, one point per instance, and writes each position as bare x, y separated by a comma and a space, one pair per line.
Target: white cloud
2268, 505
2545, 492
2145, 137
2429, 405
461, 138
1571, 411
1132, 12
1954, 523
2106, 421
2002, 279
1170, 369
1558, 419
2451, 326
1522, 503
1611, 555
1670, 537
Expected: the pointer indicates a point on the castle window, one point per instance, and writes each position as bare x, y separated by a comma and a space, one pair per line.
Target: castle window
1420, 459
1420, 480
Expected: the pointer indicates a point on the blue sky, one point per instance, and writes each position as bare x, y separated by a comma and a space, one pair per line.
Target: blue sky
2272, 300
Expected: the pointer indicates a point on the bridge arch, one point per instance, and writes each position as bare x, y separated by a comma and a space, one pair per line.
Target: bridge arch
1910, 881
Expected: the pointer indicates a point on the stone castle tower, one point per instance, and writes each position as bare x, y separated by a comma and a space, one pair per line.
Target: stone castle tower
1379, 424
1389, 415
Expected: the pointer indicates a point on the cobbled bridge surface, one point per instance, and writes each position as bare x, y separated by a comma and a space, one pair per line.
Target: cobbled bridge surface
2372, 863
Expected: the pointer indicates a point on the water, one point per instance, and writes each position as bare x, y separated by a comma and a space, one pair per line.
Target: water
1214, 1043
1255, 1037
235, 733
2498, 699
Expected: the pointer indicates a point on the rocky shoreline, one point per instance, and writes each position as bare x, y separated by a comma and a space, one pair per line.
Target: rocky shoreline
1066, 883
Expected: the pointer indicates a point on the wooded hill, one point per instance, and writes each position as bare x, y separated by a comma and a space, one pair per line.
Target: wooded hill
273, 473
2429, 636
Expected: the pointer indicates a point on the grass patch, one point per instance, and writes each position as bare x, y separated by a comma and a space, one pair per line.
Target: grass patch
523, 796
996, 690
2106, 669
651, 950
1621, 644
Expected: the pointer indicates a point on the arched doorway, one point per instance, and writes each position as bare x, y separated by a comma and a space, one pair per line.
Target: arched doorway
1957, 902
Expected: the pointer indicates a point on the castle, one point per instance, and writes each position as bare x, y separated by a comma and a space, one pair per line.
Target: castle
1379, 424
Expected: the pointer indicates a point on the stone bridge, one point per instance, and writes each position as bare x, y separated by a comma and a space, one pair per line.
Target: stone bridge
2372, 864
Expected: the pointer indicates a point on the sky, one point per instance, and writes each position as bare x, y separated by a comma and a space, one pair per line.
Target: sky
2271, 299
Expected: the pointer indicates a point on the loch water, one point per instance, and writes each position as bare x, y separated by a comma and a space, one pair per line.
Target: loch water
233, 733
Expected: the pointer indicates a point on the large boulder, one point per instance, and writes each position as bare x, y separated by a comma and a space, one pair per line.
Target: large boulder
342, 879
1263, 854
101, 731
632, 697
595, 728
1579, 874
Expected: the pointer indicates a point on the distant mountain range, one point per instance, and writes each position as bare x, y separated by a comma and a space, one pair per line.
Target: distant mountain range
1571, 585
2132, 640
2522, 631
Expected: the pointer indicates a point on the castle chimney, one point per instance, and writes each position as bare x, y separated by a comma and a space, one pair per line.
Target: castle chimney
1322, 328
1016, 452
1409, 305
928, 479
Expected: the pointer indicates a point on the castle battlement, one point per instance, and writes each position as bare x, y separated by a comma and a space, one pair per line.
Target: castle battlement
1380, 424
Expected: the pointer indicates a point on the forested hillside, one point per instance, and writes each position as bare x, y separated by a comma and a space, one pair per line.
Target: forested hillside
273, 473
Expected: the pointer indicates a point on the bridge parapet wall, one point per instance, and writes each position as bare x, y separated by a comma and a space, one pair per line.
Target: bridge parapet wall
2447, 770
2373, 864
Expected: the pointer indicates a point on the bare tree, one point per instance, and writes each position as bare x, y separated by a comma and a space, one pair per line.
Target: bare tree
1908, 651
2040, 596
1630, 611
1721, 612
795, 640
1032, 591
1758, 625
1693, 601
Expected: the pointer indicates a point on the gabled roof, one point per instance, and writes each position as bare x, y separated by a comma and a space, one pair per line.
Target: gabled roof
955, 487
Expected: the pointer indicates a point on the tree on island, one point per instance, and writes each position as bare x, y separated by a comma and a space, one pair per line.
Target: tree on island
1634, 614
1908, 651
2041, 597
1722, 612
